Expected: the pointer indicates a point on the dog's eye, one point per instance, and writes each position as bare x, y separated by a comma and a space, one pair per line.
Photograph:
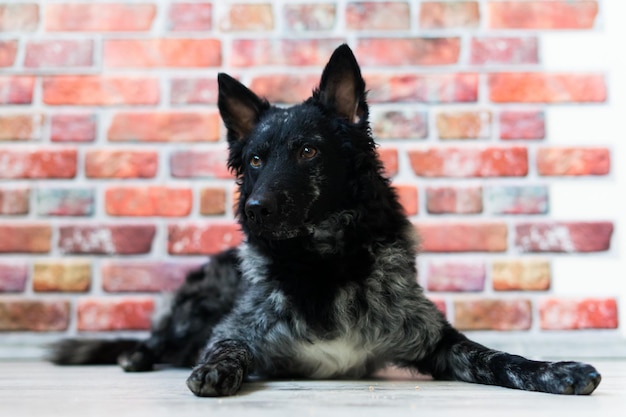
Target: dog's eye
256, 161
307, 152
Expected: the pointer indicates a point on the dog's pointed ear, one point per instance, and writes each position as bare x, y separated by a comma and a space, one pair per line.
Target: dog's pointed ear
239, 107
342, 88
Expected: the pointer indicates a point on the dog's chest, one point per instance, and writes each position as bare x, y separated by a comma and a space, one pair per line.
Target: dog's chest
341, 357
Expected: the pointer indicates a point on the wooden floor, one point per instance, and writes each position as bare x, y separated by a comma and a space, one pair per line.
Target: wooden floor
40, 389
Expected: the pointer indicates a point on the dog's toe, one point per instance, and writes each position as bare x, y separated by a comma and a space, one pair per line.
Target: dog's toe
215, 380
573, 378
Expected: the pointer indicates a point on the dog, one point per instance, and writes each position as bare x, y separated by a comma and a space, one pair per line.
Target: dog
324, 284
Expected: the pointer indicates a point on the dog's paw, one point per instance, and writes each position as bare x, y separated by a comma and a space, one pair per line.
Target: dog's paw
572, 378
216, 380
135, 361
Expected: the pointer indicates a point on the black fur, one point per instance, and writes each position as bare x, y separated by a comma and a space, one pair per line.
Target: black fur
325, 284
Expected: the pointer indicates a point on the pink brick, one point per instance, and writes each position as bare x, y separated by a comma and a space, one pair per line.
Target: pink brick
194, 91
568, 237
8, 52
467, 200
73, 127
148, 201
17, 89
424, 88
535, 87
14, 201
400, 125
19, 17
205, 239
449, 15
408, 51
522, 125
248, 17
506, 51
165, 127
573, 161
559, 14
166, 53
103, 17
59, 53
493, 315
286, 52
407, 194
369, 15
25, 238
42, 163
455, 276
289, 89
190, 17
91, 90
34, 315
389, 158
121, 164
144, 276
119, 239
200, 164
120, 314
13, 276
574, 314
309, 17
470, 162
474, 124
463, 237
21, 127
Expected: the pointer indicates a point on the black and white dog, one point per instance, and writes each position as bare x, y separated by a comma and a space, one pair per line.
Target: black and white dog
324, 285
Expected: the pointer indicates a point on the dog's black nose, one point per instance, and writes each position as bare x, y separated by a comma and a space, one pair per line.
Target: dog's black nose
261, 209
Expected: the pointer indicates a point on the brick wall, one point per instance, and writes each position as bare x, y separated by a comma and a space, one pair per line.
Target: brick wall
112, 157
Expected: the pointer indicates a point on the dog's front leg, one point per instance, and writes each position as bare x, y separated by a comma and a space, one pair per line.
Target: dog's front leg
458, 358
221, 370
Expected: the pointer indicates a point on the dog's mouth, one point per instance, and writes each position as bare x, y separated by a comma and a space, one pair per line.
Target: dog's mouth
281, 233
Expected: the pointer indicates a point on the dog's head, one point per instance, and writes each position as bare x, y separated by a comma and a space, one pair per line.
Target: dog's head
294, 164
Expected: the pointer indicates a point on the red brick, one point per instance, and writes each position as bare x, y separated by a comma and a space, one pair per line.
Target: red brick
100, 314
204, 239
389, 158
309, 17
193, 91
440, 304
522, 125
121, 164
506, 51
248, 17
212, 201
19, 17
73, 127
14, 201
104, 17
126, 239
66, 276
200, 164
407, 195
148, 201
34, 315
8, 52
574, 314
13, 276
59, 53
573, 161
559, 14
400, 125
190, 17
510, 199
165, 127
285, 52
563, 236
449, 15
470, 162
25, 238
52, 201
21, 127
169, 53
463, 237
290, 89
144, 276
464, 124
91, 90
493, 315
16, 89
369, 15
521, 275
456, 276
408, 51
535, 87
45, 163
467, 200
425, 88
